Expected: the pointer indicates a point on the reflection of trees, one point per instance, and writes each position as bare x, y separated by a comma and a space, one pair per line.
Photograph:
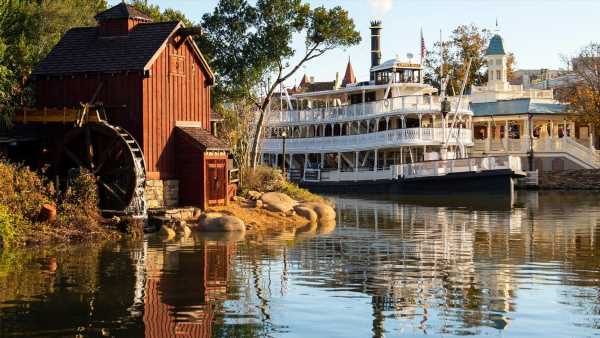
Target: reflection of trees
64, 291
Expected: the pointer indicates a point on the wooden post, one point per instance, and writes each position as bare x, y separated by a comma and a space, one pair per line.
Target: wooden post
401, 156
488, 136
363, 102
375, 165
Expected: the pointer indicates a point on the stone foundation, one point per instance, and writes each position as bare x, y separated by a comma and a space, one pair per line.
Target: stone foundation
583, 179
161, 193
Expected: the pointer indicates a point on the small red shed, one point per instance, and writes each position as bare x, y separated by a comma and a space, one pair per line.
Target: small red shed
151, 78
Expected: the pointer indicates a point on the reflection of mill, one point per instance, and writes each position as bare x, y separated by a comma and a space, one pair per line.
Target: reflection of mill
183, 287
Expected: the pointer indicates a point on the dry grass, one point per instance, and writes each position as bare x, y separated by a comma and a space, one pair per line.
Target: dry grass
22, 194
261, 219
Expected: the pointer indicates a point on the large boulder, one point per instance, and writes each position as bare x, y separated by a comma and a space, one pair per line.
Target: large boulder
324, 211
307, 213
218, 222
278, 202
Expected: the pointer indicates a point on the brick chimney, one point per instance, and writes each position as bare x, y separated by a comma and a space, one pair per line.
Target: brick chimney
120, 20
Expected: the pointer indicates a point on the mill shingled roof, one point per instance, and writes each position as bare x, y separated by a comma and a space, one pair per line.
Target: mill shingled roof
496, 46
122, 11
82, 50
202, 138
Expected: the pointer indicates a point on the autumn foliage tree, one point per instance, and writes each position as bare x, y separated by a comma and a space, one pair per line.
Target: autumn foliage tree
466, 42
250, 47
582, 91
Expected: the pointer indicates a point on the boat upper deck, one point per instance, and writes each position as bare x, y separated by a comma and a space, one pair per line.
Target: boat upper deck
402, 105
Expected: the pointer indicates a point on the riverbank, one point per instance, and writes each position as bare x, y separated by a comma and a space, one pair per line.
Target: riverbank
32, 212
267, 201
583, 179
260, 219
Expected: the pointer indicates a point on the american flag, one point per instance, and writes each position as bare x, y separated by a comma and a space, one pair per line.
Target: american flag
423, 48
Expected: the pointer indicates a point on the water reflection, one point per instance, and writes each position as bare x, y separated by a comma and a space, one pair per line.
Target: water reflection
183, 284
520, 267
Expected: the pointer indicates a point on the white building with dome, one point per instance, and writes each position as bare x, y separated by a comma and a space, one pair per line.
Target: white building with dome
528, 123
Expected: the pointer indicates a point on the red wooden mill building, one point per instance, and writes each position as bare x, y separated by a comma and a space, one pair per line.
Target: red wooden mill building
153, 82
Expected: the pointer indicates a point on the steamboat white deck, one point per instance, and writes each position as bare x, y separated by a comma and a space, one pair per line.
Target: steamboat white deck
375, 140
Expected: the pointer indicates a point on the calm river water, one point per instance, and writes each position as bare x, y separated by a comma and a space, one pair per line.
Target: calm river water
461, 266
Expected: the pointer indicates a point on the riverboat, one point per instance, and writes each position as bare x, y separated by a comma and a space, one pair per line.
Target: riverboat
388, 134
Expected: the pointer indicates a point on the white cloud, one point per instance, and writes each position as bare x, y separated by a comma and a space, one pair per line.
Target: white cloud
380, 7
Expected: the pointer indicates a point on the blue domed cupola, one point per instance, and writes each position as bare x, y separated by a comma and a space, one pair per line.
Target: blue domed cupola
496, 59
496, 46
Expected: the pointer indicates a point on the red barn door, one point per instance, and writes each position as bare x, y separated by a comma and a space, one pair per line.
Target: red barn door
216, 181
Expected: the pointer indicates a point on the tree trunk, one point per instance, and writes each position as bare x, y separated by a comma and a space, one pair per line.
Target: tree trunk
257, 136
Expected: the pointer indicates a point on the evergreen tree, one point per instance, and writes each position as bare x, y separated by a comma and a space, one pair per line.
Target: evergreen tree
28, 31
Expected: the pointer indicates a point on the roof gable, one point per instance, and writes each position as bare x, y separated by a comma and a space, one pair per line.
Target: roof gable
83, 50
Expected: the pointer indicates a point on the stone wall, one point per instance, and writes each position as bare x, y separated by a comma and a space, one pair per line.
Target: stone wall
162, 193
583, 179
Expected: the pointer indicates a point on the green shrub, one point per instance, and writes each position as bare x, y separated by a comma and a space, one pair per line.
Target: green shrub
9, 223
271, 179
81, 196
262, 179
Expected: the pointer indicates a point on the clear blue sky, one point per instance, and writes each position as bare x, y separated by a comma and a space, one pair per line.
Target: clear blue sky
538, 32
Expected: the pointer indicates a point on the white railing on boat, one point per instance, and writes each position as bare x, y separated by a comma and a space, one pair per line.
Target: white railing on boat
381, 139
567, 145
444, 167
416, 170
398, 105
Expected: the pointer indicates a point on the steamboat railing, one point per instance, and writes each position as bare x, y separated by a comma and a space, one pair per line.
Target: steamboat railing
416, 170
404, 104
587, 156
444, 167
388, 138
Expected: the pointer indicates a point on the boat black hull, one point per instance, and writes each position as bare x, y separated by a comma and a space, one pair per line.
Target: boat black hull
492, 181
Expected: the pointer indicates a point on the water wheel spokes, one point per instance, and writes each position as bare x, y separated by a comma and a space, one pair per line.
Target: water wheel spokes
110, 154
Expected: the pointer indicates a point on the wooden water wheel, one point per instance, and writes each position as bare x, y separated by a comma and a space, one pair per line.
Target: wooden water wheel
113, 156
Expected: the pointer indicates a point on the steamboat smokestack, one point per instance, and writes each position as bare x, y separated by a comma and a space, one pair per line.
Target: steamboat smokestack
375, 46
375, 43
